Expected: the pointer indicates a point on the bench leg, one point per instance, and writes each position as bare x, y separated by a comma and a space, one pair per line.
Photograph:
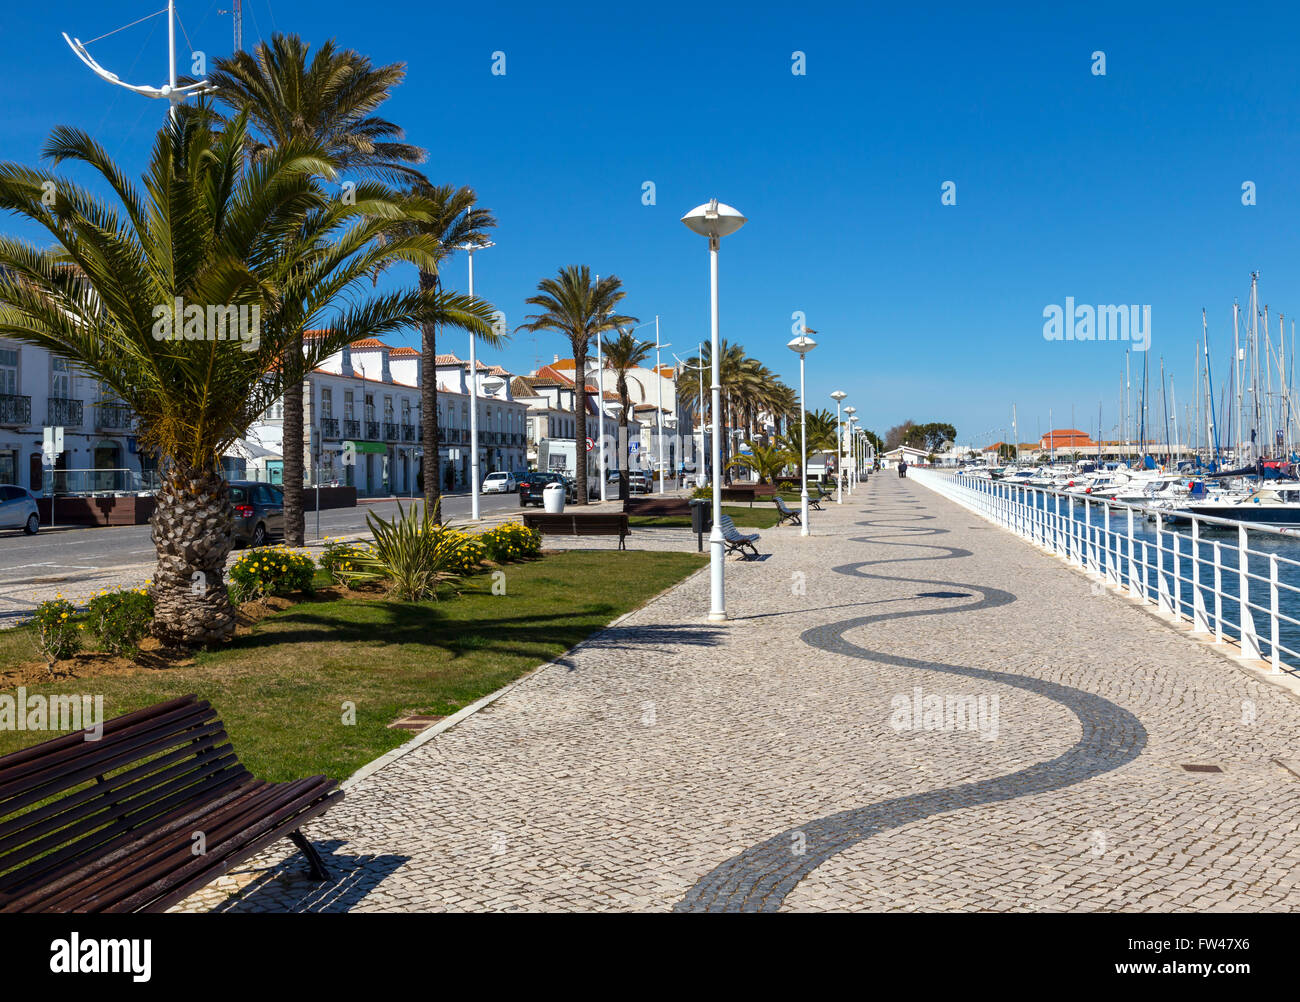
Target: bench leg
314, 860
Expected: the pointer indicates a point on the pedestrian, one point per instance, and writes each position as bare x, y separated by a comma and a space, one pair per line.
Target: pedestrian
902, 467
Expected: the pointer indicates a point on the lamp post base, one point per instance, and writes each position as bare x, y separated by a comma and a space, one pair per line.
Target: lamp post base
717, 617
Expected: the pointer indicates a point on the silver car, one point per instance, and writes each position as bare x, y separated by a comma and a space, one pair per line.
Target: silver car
18, 509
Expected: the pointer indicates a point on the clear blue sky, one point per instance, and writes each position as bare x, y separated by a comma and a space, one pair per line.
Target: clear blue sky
1117, 189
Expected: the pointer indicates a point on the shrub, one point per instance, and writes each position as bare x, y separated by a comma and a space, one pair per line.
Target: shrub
121, 619
511, 541
786, 486
57, 636
703, 493
272, 570
413, 554
339, 557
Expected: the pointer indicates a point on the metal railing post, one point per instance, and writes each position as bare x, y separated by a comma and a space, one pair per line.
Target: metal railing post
1218, 593
1273, 617
1200, 623
1246, 619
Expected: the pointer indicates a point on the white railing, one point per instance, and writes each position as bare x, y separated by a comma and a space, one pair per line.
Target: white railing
1197, 577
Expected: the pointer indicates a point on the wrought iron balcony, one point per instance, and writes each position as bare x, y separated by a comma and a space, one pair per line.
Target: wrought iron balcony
113, 417
351, 428
372, 431
408, 433
64, 411
391, 433
15, 410
329, 427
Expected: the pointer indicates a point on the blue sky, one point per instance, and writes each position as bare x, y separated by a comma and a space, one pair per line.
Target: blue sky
1123, 188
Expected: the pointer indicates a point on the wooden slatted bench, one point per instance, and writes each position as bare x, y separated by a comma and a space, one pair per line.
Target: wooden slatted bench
113, 825
589, 523
748, 492
658, 506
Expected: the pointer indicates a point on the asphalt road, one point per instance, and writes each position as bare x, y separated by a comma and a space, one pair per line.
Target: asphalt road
60, 550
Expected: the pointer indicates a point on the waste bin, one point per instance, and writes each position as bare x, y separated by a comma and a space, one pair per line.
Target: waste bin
701, 520
553, 498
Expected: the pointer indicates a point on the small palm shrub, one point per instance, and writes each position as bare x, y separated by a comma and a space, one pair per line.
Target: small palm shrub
57, 636
272, 570
511, 541
121, 619
413, 554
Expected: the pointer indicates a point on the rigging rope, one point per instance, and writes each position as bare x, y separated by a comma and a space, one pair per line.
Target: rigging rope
125, 26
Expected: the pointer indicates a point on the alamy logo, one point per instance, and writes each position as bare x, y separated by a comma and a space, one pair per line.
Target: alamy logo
932, 712
75, 955
1098, 323
52, 713
176, 321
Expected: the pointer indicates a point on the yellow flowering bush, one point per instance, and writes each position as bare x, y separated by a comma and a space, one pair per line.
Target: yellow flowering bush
468, 553
413, 554
121, 619
511, 541
56, 634
341, 557
271, 570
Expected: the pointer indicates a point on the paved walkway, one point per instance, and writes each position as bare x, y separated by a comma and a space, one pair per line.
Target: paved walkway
795, 758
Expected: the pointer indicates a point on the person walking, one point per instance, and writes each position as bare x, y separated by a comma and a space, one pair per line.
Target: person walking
902, 467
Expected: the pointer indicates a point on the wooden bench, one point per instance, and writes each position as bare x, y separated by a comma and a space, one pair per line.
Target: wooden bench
139, 819
658, 506
784, 513
590, 523
748, 492
739, 542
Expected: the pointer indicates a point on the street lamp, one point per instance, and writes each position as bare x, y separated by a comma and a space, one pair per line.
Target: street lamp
848, 443
473, 392
659, 382
838, 396
801, 345
715, 220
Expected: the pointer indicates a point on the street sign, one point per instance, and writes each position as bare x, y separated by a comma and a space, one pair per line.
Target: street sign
53, 444
590, 445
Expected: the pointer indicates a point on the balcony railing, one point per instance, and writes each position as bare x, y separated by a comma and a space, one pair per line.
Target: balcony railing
329, 427
15, 410
391, 433
64, 411
351, 428
408, 433
372, 430
113, 417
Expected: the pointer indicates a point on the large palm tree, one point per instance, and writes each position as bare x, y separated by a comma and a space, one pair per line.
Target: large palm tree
766, 461
623, 354
579, 308
329, 97
210, 230
452, 219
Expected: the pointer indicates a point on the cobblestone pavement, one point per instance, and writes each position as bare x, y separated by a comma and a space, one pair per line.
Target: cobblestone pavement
795, 757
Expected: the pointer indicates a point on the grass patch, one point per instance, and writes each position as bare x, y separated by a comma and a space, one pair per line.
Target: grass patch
280, 689
762, 516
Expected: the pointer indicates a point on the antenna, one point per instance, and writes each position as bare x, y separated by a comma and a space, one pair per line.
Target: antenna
238, 23
174, 94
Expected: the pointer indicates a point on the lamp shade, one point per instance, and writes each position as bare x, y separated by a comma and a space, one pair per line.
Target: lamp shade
801, 344
714, 219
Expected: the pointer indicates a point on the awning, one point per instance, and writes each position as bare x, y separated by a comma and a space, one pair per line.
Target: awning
373, 448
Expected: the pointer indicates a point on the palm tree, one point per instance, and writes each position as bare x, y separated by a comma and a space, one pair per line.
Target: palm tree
580, 309
329, 97
622, 354
208, 229
451, 218
766, 461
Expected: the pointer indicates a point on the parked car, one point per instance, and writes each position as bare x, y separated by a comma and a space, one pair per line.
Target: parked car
18, 509
500, 482
530, 488
259, 512
638, 483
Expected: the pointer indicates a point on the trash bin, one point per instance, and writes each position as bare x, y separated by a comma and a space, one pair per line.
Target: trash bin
701, 520
553, 498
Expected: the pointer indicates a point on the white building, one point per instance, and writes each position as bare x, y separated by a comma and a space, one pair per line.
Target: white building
40, 389
363, 423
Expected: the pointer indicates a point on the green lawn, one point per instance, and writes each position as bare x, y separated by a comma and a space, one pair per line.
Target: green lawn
280, 690
762, 516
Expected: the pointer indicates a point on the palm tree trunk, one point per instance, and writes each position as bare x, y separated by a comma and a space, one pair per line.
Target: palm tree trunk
191, 534
291, 440
429, 406
580, 418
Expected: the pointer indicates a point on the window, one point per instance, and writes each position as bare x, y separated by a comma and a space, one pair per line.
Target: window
8, 370
326, 402
370, 406
388, 409
60, 377
347, 405
406, 411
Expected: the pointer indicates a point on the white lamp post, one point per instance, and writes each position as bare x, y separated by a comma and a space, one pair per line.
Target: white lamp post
659, 382
801, 345
473, 393
838, 396
848, 444
715, 221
